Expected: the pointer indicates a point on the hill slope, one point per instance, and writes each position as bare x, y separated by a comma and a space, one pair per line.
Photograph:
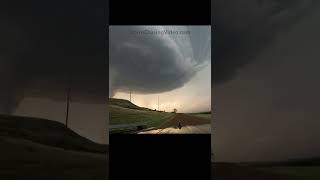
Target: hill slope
123, 112
46, 132
120, 115
125, 104
35, 149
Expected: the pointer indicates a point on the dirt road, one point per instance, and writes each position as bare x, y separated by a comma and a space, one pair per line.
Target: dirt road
228, 171
183, 124
185, 120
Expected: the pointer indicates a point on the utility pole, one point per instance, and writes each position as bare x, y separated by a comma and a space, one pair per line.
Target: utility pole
68, 102
130, 94
158, 103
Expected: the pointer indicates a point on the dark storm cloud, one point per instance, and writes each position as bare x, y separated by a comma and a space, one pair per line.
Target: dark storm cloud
244, 28
55, 42
270, 110
149, 62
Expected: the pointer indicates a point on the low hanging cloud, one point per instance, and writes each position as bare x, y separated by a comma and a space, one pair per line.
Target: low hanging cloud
155, 59
244, 28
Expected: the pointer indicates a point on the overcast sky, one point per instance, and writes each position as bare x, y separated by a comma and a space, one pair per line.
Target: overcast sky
267, 97
172, 62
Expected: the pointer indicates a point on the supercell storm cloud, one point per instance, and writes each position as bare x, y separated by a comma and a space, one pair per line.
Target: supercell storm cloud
155, 59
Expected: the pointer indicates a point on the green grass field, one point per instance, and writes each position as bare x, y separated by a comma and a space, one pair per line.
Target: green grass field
205, 115
125, 104
308, 172
122, 111
120, 115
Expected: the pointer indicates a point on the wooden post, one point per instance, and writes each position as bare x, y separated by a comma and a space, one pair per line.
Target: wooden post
68, 102
130, 94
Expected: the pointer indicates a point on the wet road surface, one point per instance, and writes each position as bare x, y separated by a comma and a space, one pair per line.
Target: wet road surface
183, 124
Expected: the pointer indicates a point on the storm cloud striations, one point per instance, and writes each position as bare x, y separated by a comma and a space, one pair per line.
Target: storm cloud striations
155, 59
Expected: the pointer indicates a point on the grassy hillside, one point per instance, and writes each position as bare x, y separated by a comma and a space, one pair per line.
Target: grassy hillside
206, 115
35, 149
24, 159
125, 112
125, 104
120, 115
46, 132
